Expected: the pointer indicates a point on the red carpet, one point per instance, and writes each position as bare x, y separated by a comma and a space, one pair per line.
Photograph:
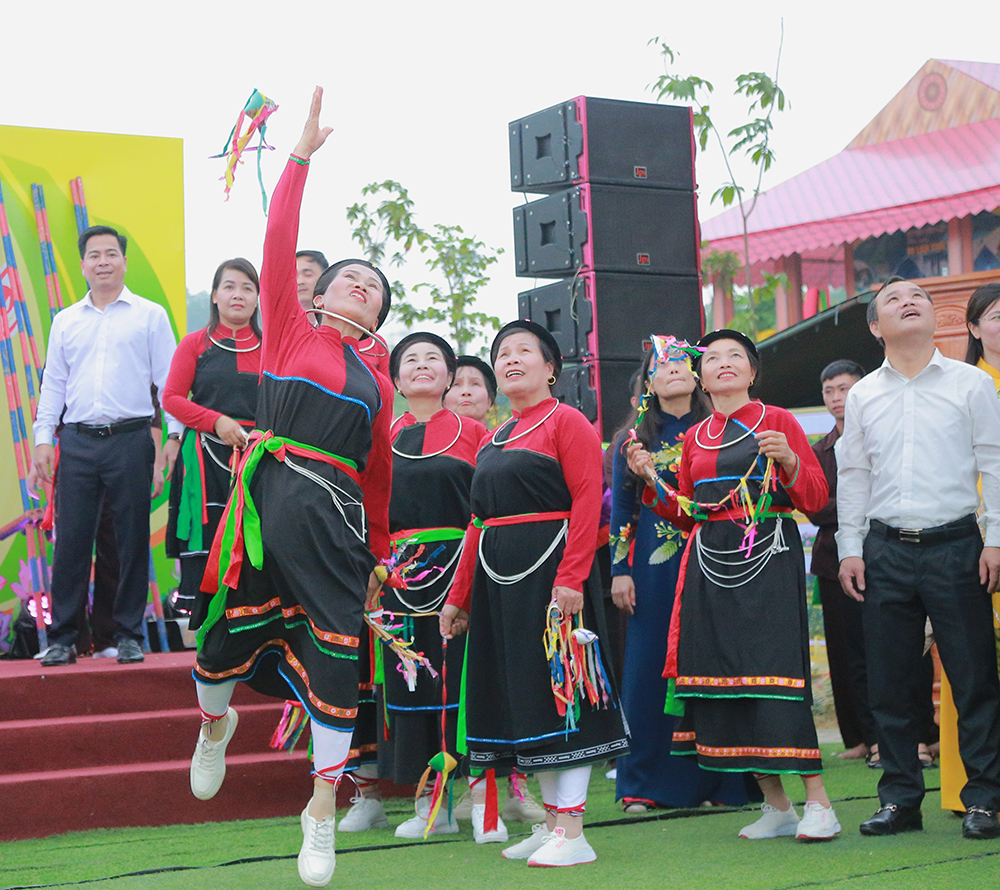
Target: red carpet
103, 745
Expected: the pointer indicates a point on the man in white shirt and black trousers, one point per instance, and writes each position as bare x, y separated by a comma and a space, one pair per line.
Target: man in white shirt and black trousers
918, 434
104, 355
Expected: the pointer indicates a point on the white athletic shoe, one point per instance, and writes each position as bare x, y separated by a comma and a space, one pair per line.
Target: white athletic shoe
819, 823
317, 858
560, 850
208, 765
463, 809
612, 773
528, 810
773, 823
479, 832
524, 849
415, 826
365, 813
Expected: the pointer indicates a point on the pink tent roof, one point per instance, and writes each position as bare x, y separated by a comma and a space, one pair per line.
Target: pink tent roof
985, 72
868, 191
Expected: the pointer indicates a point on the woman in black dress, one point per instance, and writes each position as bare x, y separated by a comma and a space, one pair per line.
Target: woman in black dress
296, 558
212, 390
526, 574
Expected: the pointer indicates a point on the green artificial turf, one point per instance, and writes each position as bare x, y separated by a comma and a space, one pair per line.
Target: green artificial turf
693, 850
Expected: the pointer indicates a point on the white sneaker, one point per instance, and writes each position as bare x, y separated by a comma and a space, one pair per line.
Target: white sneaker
560, 850
819, 823
524, 849
415, 826
479, 832
109, 652
317, 858
612, 773
463, 809
773, 823
365, 813
208, 765
528, 810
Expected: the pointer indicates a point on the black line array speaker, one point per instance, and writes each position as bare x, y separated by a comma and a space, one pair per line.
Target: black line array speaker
619, 225
612, 315
607, 229
600, 390
602, 141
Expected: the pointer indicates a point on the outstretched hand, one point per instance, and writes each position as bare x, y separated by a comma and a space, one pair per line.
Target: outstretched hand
313, 136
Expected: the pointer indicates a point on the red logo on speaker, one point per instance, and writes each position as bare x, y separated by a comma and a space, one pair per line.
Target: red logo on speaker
639, 172
642, 259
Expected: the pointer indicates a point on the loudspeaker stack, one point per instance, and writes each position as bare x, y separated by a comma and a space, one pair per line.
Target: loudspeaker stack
618, 228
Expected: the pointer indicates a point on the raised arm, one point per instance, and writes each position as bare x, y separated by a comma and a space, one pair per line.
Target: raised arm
279, 301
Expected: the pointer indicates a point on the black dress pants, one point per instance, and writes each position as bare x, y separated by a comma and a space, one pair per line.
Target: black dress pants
904, 583
118, 468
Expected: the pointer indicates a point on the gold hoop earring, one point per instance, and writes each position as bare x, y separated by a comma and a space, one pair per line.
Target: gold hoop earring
552, 380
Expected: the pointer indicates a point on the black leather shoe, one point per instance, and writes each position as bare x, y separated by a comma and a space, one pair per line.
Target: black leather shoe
980, 824
892, 818
58, 655
129, 651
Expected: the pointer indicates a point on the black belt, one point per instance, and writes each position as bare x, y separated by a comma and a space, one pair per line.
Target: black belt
112, 429
960, 528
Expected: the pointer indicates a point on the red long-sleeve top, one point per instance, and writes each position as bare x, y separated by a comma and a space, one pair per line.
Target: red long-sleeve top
807, 487
292, 347
568, 438
183, 367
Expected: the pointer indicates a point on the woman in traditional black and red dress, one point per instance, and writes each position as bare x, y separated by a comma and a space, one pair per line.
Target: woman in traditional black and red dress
738, 646
293, 565
529, 557
212, 390
434, 455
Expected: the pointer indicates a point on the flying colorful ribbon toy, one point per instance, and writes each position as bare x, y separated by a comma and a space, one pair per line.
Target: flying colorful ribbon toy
255, 113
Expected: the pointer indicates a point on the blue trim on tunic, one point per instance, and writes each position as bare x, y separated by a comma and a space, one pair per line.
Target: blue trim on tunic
329, 392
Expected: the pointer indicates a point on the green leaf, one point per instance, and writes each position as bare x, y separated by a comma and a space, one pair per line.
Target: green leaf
663, 553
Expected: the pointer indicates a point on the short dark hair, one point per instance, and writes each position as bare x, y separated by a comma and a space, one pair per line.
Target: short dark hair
871, 314
314, 256
841, 366
981, 300
93, 231
239, 265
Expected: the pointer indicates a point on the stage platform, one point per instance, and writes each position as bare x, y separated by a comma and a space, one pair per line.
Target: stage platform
97, 744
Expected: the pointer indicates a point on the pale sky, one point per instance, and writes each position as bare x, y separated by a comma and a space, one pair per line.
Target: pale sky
422, 93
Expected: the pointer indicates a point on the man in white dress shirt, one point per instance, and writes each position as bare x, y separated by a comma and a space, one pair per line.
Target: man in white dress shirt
104, 355
918, 434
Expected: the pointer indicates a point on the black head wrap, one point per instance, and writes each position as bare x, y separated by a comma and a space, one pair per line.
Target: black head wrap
531, 327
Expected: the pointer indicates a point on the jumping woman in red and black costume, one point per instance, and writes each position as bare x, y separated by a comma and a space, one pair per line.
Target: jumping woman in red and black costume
529, 556
738, 645
293, 564
212, 390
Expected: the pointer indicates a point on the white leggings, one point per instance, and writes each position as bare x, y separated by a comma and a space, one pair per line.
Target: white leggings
564, 790
331, 747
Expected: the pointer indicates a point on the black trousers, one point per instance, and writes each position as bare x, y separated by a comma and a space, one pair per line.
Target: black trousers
904, 584
97, 626
119, 469
845, 652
